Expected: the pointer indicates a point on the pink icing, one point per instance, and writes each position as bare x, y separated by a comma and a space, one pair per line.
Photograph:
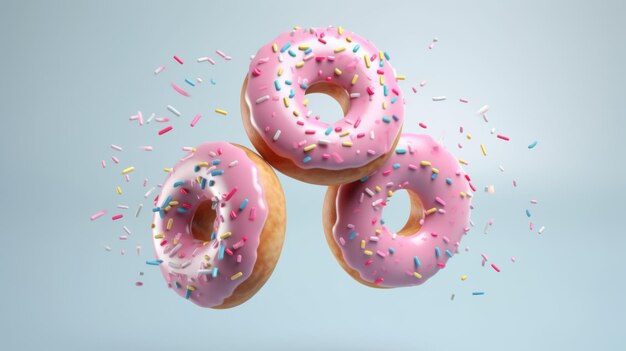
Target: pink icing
307, 56
391, 261
231, 178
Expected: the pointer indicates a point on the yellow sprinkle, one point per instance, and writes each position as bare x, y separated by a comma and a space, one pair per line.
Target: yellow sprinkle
338, 50
338, 71
381, 55
378, 231
205, 243
191, 288
354, 79
362, 244
482, 147
152, 225
236, 275
128, 170
280, 71
401, 77
377, 188
343, 134
296, 27
310, 147
384, 105
166, 169
425, 163
225, 235
417, 275
207, 257
221, 112
275, 47
203, 164
159, 236
389, 193
167, 208
119, 190
464, 277
193, 149
305, 102
462, 194
435, 170
368, 252
431, 211
170, 222
339, 30
286, 101
468, 136
346, 144
173, 203
303, 47
367, 60
349, 39
381, 79
296, 113
463, 162
300, 64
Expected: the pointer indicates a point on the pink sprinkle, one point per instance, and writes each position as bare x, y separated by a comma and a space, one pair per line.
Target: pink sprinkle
387, 172
97, 215
138, 284
513, 259
117, 216
230, 194
441, 264
238, 258
503, 137
422, 125
378, 281
180, 90
368, 262
233, 214
495, 267
224, 56
484, 257
195, 120
256, 72
440, 200
104, 164
337, 157
115, 159
178, 59
414, 89
370, 90
464, 100
159, 70
165, 130
252, 215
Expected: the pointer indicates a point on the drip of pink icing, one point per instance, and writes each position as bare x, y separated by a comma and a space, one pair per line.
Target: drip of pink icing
307, 56
392, 258
228, 184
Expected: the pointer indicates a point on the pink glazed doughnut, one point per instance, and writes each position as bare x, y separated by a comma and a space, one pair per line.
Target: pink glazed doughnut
340, 64
219, 225
440, 207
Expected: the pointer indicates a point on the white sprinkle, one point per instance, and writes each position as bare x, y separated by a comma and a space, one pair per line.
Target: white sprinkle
149, 192
205, 271
174, 265
115, 147
423, 83
138, 210
138, 249
355, 95
439, 98
233, 164
127, 230
262, 99
374, 238
276, 135
151, 118
123, 207
501, 168
173, 110
369, 192
542, 229
483, 110
159, 70
175, 249
323, 141
342, 241
377, 202
147, 148
372, 135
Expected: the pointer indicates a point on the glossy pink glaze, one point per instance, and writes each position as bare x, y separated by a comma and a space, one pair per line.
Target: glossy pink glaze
360, 209
375, 116
184, 265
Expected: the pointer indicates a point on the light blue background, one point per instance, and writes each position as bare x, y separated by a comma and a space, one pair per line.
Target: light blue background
72, 72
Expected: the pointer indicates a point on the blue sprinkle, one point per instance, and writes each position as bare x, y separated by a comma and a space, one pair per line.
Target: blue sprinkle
162, 214
392, 250
179, 183
291, 53
306, 159
448, 253
187, 294
417, 261
285, 47
277, 85
433, 176
476, 293
395, 118
308, 51
393, 99
182, 210
196, 168
352, 235
215, 162
328, 130
386, 120
156, 209
448, 181
396, 166
213, 81
154, 263
386, 55
364, 179
177, 284
288, 82
292, 94
243, 204
356, 48
167, 201
532, 145
213, 235
382, 63
382, 221
217, 172
437, 253
220, 255
190, 82
304, 86
528, 213
385, 90
214, 272
211, 182
400, 151
203, 183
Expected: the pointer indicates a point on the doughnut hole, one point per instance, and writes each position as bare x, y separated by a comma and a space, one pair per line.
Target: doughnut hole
395, 212
203, 221
325, 106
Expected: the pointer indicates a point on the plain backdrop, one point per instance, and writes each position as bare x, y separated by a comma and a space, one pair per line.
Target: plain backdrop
71, 74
